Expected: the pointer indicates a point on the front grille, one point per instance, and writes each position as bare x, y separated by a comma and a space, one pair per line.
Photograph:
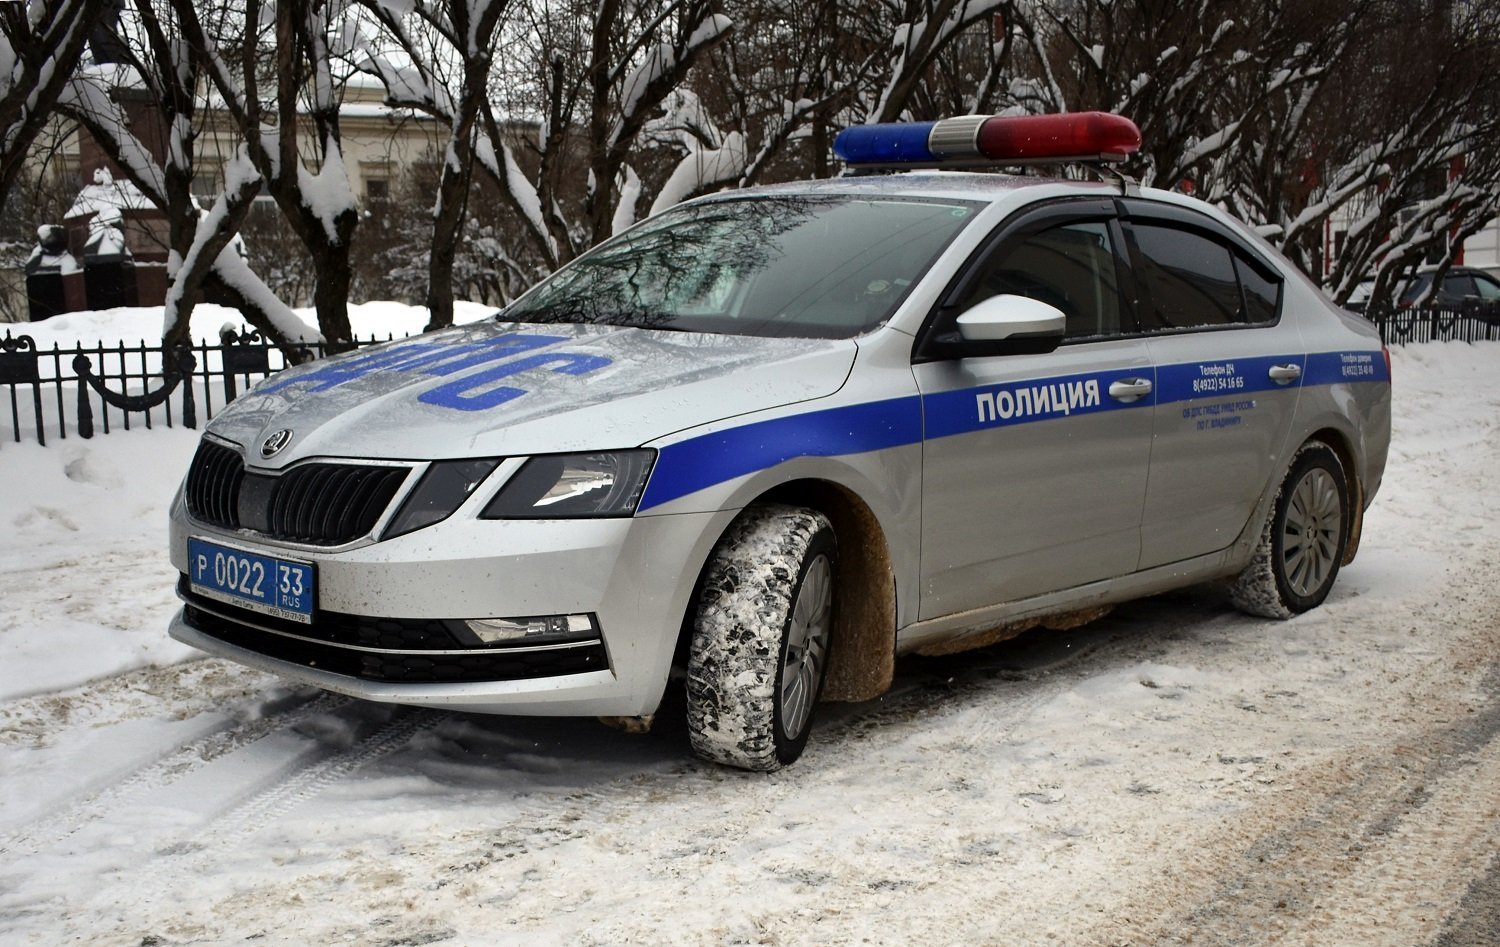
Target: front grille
456, 665
213, 485
326, 504
315, 504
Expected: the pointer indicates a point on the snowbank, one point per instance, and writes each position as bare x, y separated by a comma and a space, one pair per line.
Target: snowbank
137, 324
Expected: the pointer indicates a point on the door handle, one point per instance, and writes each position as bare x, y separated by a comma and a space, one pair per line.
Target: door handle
1285, 374
1130, 389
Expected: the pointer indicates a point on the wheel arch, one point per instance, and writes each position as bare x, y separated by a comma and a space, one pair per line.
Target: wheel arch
862, 655
1343, 448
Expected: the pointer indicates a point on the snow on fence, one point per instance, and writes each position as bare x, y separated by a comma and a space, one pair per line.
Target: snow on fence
88, 390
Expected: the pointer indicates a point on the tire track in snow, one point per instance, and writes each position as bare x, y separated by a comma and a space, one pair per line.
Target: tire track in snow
282, 769
924, 688
163, 771
271, 802
1373, 846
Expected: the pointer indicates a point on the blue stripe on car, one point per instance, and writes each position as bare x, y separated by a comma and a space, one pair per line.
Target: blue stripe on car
709, 459
698, 462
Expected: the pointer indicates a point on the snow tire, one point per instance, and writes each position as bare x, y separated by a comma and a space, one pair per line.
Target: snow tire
761, 630
1302, 544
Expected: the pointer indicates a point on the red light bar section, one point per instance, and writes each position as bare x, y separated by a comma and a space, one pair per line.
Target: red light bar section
1055, 137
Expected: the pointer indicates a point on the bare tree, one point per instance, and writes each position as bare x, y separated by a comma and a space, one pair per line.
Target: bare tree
924, 30
153, 58
40, 45
467, 30
1417, 166
287, 113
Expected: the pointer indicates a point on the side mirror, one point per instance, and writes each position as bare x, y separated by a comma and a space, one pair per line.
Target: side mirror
999, 325
1011, 317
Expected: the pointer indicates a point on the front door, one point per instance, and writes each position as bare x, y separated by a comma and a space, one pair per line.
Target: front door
1034, 466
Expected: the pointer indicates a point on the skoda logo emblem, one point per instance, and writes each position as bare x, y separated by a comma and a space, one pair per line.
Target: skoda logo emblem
274, 444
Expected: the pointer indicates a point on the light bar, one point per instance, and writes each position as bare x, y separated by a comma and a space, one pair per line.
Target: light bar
1013, 139
890, 143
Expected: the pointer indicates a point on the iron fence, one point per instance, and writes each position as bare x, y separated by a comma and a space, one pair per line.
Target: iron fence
81, 391
1403, 326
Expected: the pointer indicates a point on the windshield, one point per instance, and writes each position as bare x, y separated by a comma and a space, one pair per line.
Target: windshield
812, 267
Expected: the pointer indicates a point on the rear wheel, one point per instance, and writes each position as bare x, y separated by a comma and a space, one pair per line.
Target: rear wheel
760, 639
1302, 545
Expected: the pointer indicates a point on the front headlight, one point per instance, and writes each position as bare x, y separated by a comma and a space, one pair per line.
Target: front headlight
568, 486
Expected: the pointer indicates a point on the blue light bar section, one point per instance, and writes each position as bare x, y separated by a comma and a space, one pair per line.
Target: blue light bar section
891, 143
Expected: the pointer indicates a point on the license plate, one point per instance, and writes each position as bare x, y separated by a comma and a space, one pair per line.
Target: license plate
267, 584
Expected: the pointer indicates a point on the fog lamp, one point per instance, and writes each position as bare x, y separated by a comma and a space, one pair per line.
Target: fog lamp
540, 629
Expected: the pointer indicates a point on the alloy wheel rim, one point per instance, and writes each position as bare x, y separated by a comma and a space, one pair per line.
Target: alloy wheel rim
806, 646
1310, 536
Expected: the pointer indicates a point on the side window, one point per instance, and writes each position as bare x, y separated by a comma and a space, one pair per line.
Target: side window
1195, 281
1488, 288
1262, 293
1190, 278
1415, 289
1455, 288
1071, 267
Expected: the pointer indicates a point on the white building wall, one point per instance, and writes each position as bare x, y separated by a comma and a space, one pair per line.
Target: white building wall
1483, 249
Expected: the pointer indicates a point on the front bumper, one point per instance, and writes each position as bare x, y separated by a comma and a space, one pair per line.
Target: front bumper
635, 576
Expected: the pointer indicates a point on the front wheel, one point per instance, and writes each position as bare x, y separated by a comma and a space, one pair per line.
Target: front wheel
1302, 545
761, 633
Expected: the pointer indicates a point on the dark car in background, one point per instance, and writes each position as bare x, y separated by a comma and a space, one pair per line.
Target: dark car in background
1463, 289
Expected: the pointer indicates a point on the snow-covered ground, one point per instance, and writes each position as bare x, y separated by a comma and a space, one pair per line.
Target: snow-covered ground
1175, 773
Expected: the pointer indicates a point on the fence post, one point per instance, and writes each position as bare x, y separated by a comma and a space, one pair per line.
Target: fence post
186, 365
244, 353
18, 366
83, 369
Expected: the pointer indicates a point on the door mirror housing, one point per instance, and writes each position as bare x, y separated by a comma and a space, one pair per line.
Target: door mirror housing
1006, 317
999, 325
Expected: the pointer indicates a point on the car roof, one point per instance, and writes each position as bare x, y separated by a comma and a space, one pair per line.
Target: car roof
948, 185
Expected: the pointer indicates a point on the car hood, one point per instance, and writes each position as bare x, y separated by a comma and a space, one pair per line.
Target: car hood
505, 389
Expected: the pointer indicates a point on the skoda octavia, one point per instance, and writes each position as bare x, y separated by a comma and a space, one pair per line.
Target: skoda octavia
770, 440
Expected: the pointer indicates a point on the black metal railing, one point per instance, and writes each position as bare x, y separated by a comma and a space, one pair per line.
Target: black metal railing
1404, 326
87, 390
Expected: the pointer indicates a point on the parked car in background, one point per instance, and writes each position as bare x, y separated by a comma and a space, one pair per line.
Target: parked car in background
1463, 289
768, 440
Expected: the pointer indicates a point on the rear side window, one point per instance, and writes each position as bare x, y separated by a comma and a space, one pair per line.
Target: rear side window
1262, 293
1194, 281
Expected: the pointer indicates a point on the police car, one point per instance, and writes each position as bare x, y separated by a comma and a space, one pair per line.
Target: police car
769, 440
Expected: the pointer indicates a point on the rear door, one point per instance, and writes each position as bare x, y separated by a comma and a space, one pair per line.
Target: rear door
1034, 466
1229, 365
